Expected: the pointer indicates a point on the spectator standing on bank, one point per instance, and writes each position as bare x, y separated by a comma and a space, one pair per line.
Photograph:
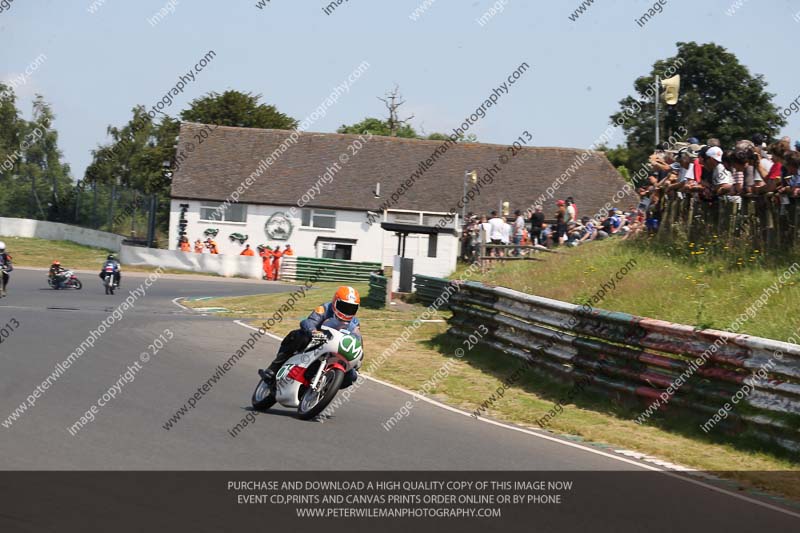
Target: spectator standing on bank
519, 230
561, 223
495, 231
537, 222
721, 178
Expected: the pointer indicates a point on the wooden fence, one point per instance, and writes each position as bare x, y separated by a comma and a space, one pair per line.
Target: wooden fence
748, 223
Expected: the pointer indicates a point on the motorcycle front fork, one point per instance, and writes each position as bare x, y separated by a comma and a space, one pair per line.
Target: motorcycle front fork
315, 382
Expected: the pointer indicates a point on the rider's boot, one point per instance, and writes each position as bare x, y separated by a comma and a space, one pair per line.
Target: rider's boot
266, 374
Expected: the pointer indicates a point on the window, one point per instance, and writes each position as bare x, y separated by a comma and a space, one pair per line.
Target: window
318, 218
220, 213
331, 250
404, 218
433, 239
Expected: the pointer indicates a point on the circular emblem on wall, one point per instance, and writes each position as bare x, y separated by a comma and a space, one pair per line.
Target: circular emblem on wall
278, 227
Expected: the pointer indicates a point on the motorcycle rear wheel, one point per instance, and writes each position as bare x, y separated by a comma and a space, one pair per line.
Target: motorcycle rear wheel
263, 397
309, 408
77, 284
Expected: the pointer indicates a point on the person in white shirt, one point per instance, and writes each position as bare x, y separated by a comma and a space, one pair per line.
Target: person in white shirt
519, 230
507, 231
496, 229
721, 179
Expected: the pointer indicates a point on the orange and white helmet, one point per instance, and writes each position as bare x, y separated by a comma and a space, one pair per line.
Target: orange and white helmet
345, 303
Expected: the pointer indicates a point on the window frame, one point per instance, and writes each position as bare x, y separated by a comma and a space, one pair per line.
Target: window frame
223, 220
313, 213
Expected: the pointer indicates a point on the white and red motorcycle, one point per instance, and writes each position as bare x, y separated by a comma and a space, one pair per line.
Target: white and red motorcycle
309, 380
66, 279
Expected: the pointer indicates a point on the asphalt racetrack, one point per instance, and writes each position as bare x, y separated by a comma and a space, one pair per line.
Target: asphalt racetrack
128, 433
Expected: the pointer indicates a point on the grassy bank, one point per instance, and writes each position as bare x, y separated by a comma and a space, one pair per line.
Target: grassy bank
41, 253
707, 294
473, 378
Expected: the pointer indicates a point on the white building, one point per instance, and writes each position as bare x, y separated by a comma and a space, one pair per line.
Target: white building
332, 195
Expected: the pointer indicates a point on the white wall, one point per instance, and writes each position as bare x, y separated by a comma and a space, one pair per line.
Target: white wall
224, 265
349, 225
373, 243
55, 231
417, 249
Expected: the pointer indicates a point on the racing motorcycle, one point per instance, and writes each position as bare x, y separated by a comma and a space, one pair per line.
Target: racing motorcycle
65, 280
309, 380
108, 279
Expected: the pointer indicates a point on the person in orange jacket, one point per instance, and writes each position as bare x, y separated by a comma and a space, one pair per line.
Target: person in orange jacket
276, 262
198, 246
266, 255
288, 250
212, 246
185, 246
248, 251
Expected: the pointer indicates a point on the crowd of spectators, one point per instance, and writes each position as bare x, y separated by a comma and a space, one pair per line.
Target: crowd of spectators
707, 172
713, 173
510, 235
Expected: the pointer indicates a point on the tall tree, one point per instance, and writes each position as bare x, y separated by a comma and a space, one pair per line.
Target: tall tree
393, 101
235, 108
719, 97
12, 201
393, 125
136, 156
35, 182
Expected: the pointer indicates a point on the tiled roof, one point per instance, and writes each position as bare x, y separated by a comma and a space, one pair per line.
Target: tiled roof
213, 169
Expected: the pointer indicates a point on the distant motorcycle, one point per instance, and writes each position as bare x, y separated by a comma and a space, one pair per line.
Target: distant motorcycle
65, 280
108, 280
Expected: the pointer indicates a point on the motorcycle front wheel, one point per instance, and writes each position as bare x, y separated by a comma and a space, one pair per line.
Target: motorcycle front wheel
314, 402
263, 397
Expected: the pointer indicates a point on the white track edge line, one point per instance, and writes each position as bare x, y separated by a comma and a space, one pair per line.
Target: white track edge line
175, 301
567, 443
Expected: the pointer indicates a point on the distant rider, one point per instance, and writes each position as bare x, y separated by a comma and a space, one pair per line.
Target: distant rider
5, 267
56, 273
113, 263
339, 313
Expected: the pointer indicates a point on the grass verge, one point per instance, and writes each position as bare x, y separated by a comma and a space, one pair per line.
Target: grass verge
470, 380
28, 252
708, 294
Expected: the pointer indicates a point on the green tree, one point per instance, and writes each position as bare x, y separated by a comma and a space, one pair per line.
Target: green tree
137, 155
234, 108
470, 138
133, 165
719, 97
377, 126
34, 180
12, 201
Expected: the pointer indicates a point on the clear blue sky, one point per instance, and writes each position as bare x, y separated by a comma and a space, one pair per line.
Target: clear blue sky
100, 65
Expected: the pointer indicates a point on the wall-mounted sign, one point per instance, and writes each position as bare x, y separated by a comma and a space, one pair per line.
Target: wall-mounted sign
278, 227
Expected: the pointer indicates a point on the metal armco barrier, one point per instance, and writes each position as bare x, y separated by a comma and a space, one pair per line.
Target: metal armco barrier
303, 268
641, 357
428, 288
378, 291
